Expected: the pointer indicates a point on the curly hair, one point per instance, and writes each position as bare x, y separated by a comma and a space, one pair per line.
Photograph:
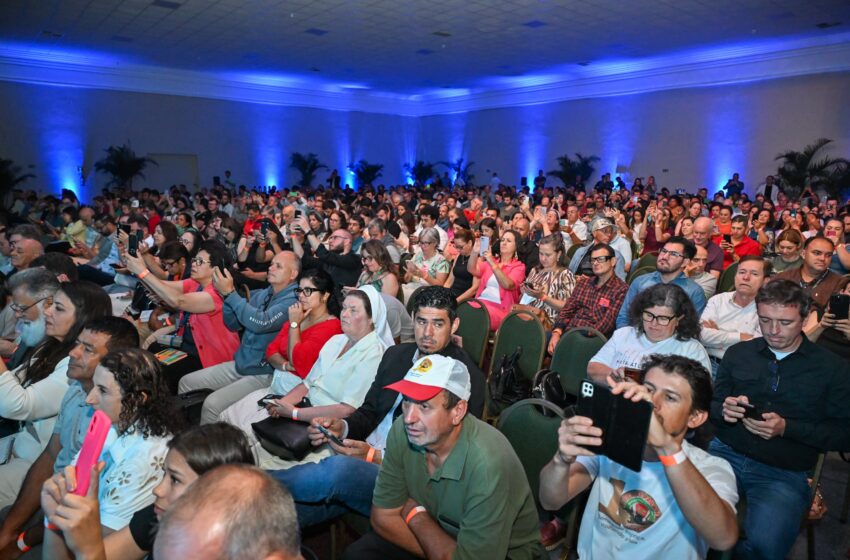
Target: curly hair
666, 295
146, 404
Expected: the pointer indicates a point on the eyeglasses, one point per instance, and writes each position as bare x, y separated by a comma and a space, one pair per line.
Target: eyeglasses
676, 254
427, 242
21, 310
306, 291
199, 261
773, 380
600, 260
366, 258
662, 320
168, 263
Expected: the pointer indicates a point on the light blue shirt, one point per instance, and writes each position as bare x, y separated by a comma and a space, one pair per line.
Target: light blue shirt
643, 282
619, 267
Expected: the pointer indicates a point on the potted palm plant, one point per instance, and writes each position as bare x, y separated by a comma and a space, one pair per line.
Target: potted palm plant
123, 165
307, 166
569, 169
366, 173
460, 170
811, 168
11, 177
421, 171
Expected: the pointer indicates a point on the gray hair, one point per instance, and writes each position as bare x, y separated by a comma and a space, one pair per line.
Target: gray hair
256, 513
37, 283
430, 235
378, 224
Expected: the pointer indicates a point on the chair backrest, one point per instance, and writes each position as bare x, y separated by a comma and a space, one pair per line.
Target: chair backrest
727, 279
474, 329
521, 329
648, 259
572, 250
572, 354
533, 436
635, 272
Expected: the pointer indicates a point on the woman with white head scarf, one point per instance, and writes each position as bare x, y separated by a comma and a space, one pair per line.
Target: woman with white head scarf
338, 381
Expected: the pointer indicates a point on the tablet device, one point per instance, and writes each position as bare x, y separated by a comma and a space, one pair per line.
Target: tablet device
625, 424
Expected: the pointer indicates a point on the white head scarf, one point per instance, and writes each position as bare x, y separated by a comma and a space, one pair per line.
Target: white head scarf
379, 315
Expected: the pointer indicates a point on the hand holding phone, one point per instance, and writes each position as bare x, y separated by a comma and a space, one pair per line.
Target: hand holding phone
751, 410
91, 450
329, 435
485, 245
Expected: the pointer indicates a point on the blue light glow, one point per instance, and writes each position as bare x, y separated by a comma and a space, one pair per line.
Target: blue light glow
728, 132
534, 144
269, 147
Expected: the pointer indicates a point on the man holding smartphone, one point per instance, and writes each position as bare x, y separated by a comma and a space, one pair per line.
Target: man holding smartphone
800, 393
684, 495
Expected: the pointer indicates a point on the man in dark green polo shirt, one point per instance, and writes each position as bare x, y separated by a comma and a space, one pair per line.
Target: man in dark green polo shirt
450, 484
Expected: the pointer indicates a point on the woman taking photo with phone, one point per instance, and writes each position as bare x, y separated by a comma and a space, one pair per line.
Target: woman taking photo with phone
191, 453
201, 339
500, 278
130, 390
462, 284
427, 267
549, 284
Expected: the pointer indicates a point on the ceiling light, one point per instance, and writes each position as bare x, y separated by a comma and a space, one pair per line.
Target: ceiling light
442, 34
828, 24
51, 34
167, 4
534, 24
314, 69
424, 51
316, 32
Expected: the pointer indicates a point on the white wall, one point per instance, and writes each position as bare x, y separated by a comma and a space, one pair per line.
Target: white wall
699, 135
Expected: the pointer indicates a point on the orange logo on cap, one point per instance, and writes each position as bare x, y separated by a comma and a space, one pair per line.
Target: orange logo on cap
424, 366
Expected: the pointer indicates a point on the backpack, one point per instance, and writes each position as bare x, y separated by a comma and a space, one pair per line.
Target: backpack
547, 386
507, 384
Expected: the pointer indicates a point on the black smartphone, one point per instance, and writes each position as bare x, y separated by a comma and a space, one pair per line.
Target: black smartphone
267, 400
125, 228
329, 435
298, 213
115, 265
727, 238
839, 305
625, 424
751, 410
264, 228
133, 247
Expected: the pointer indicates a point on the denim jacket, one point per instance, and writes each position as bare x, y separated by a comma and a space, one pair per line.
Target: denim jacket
261, 318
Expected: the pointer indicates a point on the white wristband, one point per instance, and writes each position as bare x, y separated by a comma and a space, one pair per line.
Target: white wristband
675, 459
294, 414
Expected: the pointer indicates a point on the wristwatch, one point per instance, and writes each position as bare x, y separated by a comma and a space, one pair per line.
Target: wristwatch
293, 325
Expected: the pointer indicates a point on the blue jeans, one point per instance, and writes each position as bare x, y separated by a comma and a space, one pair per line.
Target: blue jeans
776, 500
329, 488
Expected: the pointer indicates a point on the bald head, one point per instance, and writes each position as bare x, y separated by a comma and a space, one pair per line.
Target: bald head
283, 270
233, 512
702, 231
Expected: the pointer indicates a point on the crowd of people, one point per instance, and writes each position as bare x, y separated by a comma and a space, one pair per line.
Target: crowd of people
335, 311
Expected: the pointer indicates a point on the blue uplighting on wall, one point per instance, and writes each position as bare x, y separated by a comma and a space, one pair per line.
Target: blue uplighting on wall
728, 135
534, 144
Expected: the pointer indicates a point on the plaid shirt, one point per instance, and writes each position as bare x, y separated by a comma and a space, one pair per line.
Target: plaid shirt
593, 306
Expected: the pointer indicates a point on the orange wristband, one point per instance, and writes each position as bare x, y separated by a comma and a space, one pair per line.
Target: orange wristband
412, 513
370, 455
142, 274
22, 546
673, 460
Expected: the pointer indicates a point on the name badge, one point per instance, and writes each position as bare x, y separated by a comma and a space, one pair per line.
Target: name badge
604, 302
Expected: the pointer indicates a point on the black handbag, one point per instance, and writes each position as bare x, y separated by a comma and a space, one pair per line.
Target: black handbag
284, 437
547, 386
507, 385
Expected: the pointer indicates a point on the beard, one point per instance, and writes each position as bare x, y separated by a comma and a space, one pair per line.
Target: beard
33, 332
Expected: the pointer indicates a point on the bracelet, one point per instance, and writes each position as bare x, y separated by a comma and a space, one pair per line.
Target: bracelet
370, 456
22, 546
143, 273
294, 414
674, 459
412, 513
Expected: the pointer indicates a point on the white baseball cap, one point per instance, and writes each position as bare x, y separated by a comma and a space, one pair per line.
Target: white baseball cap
431, 374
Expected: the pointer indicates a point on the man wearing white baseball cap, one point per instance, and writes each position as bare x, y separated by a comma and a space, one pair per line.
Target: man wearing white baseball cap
450, 484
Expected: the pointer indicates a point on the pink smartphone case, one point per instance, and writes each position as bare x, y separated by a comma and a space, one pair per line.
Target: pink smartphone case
91, 450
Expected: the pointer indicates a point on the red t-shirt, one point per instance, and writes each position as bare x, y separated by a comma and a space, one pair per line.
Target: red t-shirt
306, 351
747, 246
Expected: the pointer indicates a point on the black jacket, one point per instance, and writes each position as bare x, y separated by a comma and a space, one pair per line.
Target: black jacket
811, 395
394, 365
